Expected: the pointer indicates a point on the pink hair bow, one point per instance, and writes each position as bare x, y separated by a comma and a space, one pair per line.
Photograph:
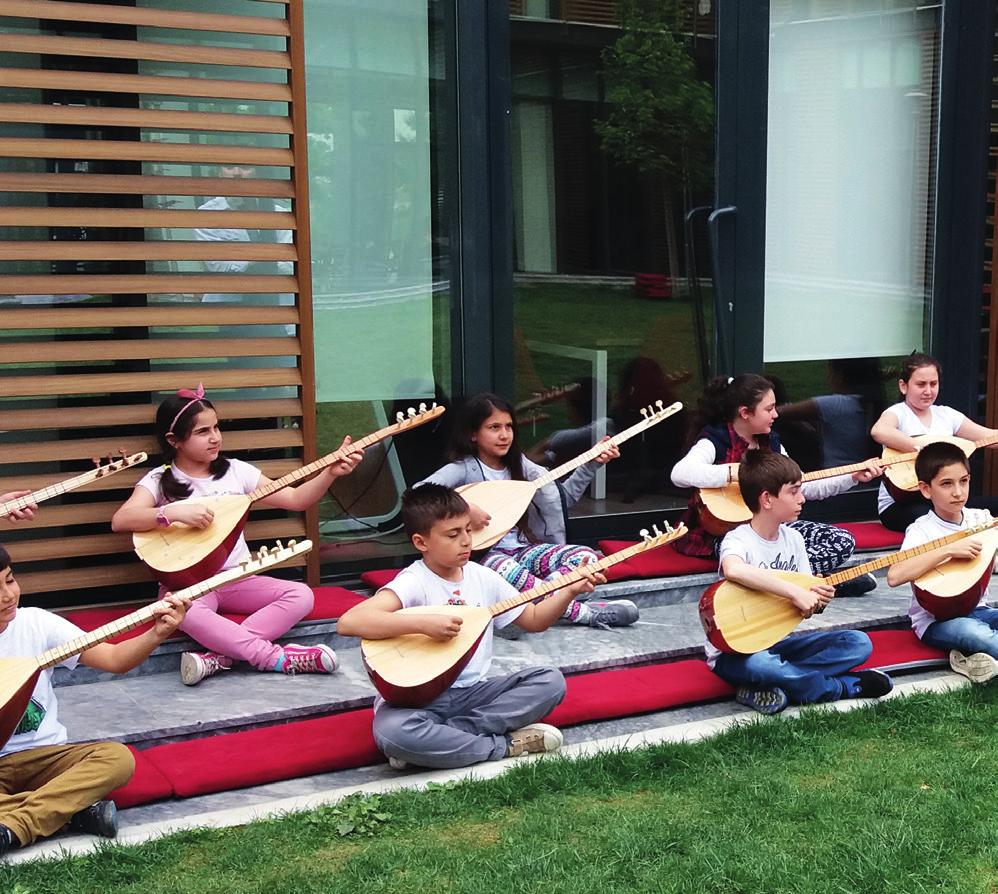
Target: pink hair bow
195, 395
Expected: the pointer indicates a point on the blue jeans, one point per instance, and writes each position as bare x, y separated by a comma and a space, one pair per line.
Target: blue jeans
976, 632
809, 667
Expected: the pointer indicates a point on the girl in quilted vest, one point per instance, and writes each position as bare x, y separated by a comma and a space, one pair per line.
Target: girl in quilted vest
736, 415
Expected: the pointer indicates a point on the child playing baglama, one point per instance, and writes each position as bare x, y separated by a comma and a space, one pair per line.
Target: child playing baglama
45, 783
735, 418
817, 666
971, 640
190, 444
478, 718
919, 414
485, 448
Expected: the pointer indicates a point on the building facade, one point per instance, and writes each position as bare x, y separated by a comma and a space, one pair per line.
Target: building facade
328, 211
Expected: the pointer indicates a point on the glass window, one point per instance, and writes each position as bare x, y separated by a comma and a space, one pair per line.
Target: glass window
603, 316
377, 112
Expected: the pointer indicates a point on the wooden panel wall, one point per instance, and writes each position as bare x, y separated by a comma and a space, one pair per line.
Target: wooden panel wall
120, 123
990, 305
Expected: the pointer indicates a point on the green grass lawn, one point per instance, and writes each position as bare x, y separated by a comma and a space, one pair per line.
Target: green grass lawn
895, 798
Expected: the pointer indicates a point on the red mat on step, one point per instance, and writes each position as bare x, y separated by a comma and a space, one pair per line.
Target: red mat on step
146, 785
663, 561
330, 603
378, 579
872, 535
342, 741
254, 757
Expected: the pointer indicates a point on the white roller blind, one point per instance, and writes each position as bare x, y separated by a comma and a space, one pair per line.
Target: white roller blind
850, 188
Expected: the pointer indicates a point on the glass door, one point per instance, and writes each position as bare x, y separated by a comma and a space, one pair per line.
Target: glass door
832, 206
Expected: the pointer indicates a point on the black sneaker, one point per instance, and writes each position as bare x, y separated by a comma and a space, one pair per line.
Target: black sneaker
857, 586
97, 819
8, 841
872, 684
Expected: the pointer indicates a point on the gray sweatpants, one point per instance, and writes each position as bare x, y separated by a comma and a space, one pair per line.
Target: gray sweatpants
468, 725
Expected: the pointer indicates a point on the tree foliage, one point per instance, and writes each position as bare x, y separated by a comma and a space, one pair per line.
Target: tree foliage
661, 114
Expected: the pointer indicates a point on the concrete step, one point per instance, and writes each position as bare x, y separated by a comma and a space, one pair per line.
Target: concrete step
644, 593
155, 708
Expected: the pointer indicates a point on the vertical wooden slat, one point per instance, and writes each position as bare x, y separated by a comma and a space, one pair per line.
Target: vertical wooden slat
302, 238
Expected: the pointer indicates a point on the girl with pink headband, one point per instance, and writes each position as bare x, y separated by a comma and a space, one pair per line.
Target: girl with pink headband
190, 443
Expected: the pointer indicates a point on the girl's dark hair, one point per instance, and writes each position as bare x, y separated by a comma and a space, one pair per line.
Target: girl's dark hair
719, 403
172, 488
916, 360
4, 558
471, 415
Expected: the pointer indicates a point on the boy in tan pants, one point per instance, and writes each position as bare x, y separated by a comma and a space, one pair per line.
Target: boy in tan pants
45, 783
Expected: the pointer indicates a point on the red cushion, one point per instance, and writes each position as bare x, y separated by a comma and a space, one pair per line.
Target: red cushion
342, 741
259, 756
147, 784
378, 579
662, 561
901, 649
331, 602
637, 690
872, 535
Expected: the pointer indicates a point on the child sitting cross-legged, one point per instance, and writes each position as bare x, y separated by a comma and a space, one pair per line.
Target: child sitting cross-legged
45, 783
816, 666
478, 718
972, 639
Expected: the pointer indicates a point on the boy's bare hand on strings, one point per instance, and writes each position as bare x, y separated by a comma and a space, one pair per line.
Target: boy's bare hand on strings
591, 579
442, 627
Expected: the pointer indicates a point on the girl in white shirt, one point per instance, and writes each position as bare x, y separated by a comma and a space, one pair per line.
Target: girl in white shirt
919, 414
190, 442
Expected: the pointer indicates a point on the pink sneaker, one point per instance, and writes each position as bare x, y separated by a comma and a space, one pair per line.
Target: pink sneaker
318, 659
195, 666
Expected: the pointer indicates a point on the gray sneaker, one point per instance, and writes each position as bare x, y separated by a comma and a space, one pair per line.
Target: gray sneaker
537, 738
616, 613
978, 667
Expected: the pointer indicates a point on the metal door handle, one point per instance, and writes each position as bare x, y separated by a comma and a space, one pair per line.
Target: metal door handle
724, 310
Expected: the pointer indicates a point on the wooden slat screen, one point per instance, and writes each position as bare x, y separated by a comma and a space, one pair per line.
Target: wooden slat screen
990, 304
153, 235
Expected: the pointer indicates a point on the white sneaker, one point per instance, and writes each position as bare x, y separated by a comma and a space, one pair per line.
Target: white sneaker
195, 666
396, 763
978, 668
534, 739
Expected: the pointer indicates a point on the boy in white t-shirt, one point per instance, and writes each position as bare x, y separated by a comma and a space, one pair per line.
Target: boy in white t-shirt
802, 668
971, 640
45, 783
477, 718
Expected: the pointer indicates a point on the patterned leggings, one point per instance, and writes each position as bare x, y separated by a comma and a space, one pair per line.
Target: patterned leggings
827, 547
537, 562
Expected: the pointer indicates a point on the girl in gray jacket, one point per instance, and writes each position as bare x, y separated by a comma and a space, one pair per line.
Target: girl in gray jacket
485, 448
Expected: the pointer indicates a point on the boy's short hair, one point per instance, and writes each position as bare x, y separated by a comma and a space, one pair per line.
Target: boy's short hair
4, 558
933, 457
761, 470
425, 505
